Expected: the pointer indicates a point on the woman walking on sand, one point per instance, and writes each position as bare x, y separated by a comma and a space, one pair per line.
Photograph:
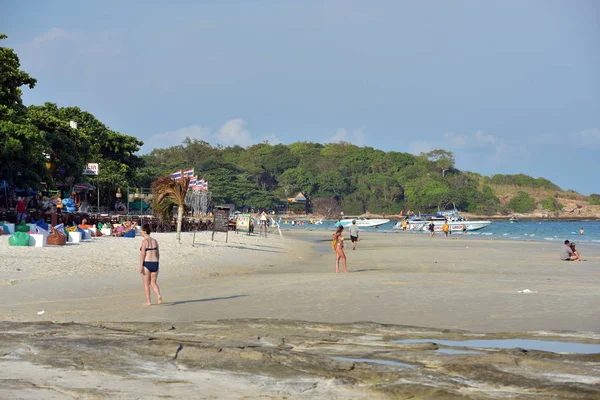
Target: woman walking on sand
337, 244
149, 258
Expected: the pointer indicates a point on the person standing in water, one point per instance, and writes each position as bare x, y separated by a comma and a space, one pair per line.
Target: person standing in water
353, 234
581, 231
149, 258
337, 244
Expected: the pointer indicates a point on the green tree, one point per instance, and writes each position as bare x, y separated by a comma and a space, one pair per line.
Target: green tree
551, 204
170, 193
21, 144
594, 199
441, 160
522, 203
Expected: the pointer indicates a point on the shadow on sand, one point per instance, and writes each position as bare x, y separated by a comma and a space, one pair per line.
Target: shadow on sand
369, 269
176, 303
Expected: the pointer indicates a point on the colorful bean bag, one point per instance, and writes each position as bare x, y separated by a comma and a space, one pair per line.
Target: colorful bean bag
42, 224
19, 239
83, 234
22, 227
130, 234
57, 238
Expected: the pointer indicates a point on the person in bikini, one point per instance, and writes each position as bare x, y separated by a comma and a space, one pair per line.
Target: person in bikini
149, 258
337, 244
575, 252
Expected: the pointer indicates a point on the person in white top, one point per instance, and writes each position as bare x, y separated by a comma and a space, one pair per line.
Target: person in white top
353, 234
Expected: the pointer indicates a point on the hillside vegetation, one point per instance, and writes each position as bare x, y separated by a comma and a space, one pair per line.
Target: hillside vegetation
48, 146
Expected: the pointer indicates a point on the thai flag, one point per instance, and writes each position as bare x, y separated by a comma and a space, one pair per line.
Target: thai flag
176, 175
188, 172
203, 185
193, 181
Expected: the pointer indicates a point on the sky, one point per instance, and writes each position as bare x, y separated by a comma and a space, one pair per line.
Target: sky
508, 86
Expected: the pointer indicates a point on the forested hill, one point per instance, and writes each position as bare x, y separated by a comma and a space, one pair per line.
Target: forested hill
358, 179
48, 146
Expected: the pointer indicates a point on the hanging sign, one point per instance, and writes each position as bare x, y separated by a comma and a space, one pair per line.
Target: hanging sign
91, 169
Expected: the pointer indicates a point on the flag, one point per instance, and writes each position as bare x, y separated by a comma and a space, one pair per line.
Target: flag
176, 175
193, 181
188, 172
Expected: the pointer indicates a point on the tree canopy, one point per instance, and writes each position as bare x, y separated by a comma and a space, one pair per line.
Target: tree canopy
38, 143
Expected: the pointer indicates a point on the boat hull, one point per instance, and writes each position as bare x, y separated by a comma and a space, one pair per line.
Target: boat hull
455, 226
362, 223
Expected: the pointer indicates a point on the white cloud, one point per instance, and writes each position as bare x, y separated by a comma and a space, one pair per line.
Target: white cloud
456, 139
272, 139
356, 137
174, 138
587, 137
420, 146
75, 54
234, 132
479, 141
54, 34
482, 137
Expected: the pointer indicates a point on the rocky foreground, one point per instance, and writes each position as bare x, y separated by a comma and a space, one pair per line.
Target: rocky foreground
279, 359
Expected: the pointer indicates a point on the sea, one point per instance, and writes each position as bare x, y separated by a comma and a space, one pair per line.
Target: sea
551, 231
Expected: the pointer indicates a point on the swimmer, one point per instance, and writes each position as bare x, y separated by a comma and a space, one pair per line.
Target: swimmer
581, 231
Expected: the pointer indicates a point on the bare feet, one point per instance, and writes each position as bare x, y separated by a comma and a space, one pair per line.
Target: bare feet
147, 304
345, 271
337, 271
160, 300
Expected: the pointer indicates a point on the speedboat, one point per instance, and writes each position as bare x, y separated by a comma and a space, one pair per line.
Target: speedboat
362, 222
455, 221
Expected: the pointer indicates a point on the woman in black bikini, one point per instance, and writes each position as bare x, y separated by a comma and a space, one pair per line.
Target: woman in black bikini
149, 264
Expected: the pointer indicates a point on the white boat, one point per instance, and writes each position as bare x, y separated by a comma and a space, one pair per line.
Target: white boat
362, 222
456, 222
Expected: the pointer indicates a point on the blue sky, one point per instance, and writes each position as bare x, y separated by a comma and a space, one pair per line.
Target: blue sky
508, 86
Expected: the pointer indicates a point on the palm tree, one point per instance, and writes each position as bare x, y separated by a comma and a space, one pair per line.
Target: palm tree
168, 192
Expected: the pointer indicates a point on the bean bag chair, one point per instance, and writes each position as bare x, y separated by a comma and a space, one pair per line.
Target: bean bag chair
19, 239
56, 238
60, 228
100, 226
42, 224
41, 231
83, 234
130, 234
22, 228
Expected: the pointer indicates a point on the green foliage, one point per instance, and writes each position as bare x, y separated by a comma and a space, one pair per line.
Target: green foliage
551, 204
522, 180
21, 144
357, 179
522, 203
594, 199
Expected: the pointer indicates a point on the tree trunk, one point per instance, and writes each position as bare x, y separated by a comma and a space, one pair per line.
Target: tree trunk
179, 221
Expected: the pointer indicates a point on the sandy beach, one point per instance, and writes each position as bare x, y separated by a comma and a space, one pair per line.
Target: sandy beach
457, 285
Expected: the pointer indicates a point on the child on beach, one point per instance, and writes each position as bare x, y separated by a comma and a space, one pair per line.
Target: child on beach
149, 258
337, 244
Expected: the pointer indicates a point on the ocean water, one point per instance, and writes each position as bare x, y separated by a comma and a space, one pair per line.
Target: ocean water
553, 231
